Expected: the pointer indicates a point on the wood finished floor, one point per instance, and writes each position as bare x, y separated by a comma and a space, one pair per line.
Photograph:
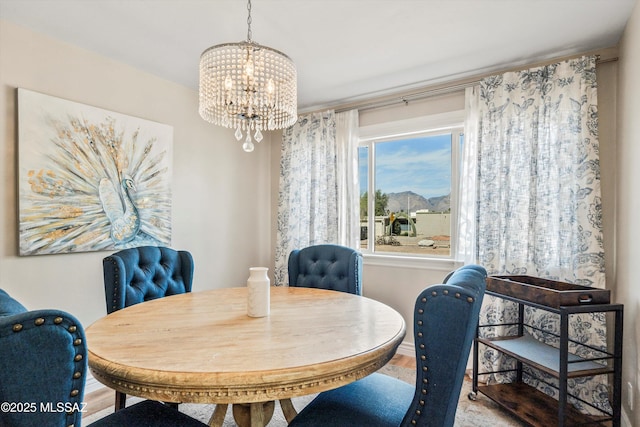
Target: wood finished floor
105, 397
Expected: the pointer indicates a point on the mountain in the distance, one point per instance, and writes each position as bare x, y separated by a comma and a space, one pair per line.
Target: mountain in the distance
399, 202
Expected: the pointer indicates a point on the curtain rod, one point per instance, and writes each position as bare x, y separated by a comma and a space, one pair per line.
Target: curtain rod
427, 93
409, 97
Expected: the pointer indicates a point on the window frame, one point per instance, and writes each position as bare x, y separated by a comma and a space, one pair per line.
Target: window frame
433, 124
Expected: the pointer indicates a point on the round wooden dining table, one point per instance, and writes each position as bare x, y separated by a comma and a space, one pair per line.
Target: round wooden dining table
202, 347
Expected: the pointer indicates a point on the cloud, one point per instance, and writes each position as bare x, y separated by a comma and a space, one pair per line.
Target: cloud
421, 165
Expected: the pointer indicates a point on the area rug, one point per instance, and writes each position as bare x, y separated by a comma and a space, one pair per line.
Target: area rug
479, 413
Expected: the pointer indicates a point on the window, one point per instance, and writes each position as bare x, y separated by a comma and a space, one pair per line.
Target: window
410, 168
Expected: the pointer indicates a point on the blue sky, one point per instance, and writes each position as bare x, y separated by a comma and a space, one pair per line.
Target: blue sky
421, 164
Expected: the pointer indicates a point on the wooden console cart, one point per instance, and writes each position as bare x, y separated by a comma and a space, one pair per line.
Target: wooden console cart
524, 401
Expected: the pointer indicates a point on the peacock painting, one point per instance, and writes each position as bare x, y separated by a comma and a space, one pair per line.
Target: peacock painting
90, 179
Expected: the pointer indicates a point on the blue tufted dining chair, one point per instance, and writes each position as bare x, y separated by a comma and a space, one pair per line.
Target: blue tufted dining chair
327, 266
43, 365
135, 275
445, 322
140, 274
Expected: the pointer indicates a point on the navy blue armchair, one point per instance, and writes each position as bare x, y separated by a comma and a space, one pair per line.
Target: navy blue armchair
43, 366
135, 275
445, 322
333, 267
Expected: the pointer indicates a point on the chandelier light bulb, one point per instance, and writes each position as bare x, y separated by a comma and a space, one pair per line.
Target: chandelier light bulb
248, 69
248, 144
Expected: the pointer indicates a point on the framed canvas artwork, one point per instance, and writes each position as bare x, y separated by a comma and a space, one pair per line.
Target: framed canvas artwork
90, 179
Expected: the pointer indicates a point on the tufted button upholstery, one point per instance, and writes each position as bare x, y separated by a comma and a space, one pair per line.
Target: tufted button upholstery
140, 274
333, 267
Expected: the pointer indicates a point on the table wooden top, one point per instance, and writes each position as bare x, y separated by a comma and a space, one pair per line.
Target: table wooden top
202, 347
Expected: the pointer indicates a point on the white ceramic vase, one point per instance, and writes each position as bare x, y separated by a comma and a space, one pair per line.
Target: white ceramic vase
258, 295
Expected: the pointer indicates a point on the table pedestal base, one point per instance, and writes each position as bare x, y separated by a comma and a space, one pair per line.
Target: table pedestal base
252, 414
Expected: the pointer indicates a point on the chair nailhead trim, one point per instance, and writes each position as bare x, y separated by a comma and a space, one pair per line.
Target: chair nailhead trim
423, 357
77, 341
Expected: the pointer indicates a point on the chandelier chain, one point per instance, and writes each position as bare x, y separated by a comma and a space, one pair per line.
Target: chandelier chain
249, 21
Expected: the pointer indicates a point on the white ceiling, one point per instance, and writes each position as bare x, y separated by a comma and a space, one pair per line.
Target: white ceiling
344, 50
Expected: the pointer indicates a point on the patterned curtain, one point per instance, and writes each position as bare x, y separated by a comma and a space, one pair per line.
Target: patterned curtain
307, 202
530, 200
318, 200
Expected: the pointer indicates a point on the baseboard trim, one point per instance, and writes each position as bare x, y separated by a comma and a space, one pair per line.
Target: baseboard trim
407, 349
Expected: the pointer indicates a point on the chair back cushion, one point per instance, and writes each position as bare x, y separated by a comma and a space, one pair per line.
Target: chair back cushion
140, 274
43, 364
333, 267
445, 322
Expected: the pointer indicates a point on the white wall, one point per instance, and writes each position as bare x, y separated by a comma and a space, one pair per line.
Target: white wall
628, 209
221, 195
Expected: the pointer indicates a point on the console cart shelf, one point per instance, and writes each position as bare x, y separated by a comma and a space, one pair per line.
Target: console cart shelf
526, 402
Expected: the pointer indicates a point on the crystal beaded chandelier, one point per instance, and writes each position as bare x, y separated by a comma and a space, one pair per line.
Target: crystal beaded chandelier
249, 87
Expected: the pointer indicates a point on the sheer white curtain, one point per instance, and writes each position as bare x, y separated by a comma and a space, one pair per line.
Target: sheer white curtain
531, 194
347, 125
318, 181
